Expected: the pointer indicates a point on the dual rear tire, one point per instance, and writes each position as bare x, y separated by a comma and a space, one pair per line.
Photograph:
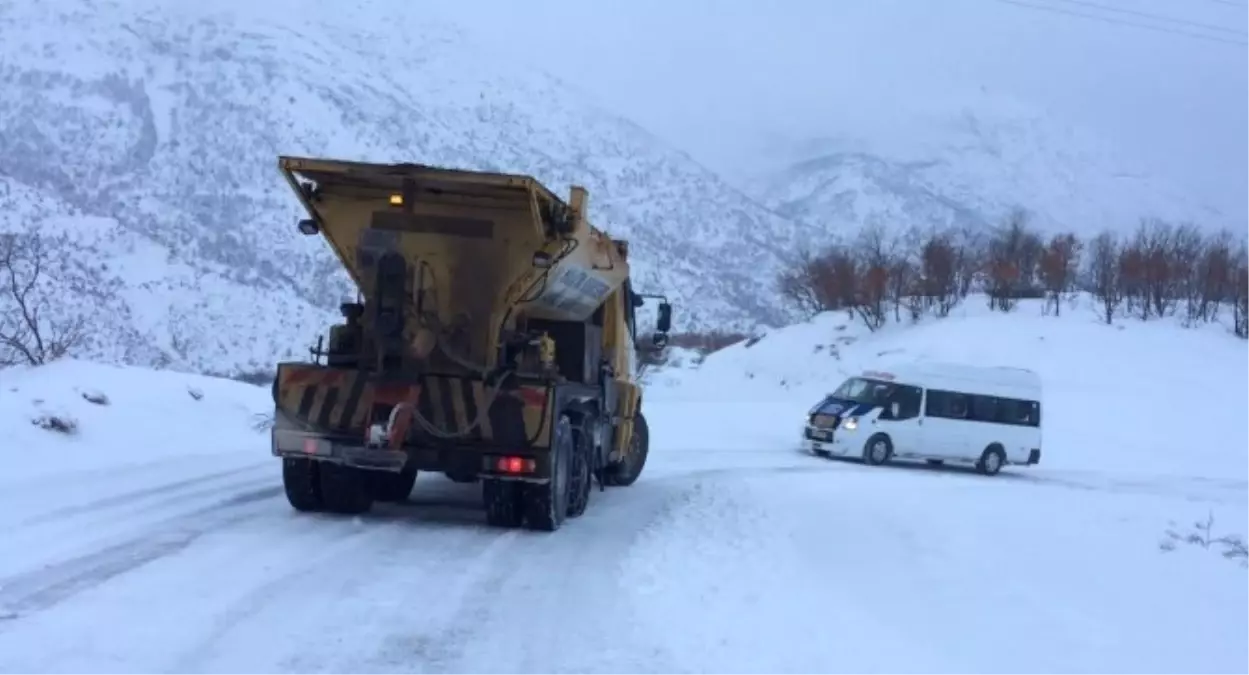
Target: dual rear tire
313, 486
545, 506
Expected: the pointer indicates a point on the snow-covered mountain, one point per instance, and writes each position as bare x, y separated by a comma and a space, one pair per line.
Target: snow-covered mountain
148, 132
969, 165
143, 135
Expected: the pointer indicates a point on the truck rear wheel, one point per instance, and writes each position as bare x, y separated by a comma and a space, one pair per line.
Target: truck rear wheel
626, 471
387, 486
345, 489
302, 480
546, 504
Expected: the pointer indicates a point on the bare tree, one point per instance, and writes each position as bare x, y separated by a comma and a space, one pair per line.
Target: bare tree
1011, 265
903, 275
1104, 274
1132, 279
1059, 264
1214, 278
1184, 258
30, 333
1240, 293
969, 258
821, 283
875, 260
797, 284
938, 273
1151, 269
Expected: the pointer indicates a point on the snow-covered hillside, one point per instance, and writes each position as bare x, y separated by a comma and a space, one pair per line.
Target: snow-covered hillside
79, 417
970, 166
161, 121
1104, 385
733, 552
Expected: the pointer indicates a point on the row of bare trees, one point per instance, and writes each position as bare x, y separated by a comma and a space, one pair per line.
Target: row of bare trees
1159, 270
1164, 270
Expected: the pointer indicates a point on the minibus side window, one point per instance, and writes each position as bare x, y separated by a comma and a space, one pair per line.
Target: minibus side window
946, 404
988, 408
908, 399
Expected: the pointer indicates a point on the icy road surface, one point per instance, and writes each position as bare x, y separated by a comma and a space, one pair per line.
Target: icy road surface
718, 560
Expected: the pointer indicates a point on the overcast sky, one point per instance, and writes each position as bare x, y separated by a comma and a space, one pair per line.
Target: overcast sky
725, 78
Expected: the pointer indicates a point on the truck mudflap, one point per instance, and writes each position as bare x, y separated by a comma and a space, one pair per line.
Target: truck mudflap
324, 408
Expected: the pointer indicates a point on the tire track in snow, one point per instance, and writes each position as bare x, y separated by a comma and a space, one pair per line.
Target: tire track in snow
439, 649
423, 591
338, 593
133, 496
37, 590
79, 529
464, 577
290, 581
1189, 488
554, 597
1197, 489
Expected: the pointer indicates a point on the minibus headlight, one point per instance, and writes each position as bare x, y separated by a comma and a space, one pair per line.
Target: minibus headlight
850, 424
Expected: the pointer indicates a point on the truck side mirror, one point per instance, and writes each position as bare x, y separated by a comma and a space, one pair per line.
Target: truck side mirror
665, 318
895, 410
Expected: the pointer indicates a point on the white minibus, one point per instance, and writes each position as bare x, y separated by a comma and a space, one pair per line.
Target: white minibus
984, 416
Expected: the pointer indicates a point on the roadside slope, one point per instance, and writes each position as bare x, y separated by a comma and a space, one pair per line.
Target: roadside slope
1116, 397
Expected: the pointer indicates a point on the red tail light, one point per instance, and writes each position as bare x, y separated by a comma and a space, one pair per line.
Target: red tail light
515, 465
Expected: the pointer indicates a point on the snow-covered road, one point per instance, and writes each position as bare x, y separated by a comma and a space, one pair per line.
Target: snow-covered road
719, 560
213, 571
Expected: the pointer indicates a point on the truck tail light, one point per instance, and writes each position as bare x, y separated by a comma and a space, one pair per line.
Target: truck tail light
515, 465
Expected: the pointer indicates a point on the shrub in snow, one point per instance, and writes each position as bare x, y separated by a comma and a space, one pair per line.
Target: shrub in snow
96, 397
59, 423
1232, 547
262, 421
260, 378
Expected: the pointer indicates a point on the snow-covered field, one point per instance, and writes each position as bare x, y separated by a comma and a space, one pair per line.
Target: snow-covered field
156, 537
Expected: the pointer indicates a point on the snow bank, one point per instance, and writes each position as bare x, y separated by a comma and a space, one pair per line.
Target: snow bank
79, 416
1150, 397
858, 569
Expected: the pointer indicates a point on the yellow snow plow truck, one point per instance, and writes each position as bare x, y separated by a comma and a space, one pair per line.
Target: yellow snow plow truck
493, 339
